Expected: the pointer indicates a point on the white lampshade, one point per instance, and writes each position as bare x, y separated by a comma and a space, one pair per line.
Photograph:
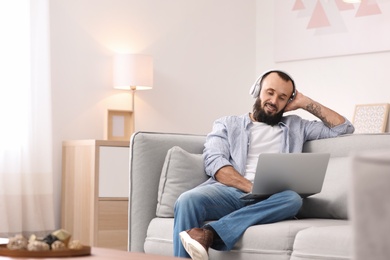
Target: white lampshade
133, 71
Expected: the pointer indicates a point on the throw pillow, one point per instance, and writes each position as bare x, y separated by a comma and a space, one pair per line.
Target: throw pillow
182, 171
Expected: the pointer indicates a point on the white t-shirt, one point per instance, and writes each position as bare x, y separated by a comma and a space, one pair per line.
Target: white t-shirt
263, 139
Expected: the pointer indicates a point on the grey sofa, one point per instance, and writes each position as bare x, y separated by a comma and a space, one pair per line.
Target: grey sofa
321, 231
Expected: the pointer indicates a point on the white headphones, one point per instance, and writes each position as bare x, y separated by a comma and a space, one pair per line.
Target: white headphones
256, 87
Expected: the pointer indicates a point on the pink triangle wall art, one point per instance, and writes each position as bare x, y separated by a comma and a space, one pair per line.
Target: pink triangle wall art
326, 28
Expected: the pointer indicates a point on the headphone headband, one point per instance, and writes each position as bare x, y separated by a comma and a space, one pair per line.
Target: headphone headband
256, 87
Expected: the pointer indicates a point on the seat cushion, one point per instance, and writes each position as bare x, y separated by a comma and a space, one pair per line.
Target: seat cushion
330, 242
277, 239
272, 241
159, 237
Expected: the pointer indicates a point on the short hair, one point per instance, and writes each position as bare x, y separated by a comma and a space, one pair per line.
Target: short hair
282, 75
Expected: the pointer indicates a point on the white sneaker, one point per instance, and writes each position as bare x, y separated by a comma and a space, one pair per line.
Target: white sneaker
195, 249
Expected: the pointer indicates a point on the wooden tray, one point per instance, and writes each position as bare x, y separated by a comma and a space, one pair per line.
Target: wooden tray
4, 251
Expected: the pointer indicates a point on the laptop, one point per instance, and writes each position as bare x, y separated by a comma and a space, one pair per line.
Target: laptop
303, 173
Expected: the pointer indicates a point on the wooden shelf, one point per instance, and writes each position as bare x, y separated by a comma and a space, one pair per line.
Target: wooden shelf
95, 180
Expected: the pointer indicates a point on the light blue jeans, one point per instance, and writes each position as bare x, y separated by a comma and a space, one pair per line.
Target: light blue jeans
232, 214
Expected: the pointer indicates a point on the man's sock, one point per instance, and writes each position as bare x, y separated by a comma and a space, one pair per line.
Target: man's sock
216, 236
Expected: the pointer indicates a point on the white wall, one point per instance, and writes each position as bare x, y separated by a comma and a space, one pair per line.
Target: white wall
337, 82
206, 54
203, 54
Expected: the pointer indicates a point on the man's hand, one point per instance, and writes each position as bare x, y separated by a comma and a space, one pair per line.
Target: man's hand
298, 102
230, 177
329, 117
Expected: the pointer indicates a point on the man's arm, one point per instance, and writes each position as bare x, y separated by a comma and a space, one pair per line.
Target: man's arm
217, 153
230, 177
329, 117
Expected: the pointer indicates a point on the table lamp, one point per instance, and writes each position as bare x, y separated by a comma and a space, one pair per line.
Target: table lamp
133, 72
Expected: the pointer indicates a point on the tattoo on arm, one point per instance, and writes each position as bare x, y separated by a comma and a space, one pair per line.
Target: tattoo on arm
315, 109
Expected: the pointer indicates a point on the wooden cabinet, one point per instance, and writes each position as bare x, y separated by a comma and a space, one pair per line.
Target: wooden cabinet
95, 189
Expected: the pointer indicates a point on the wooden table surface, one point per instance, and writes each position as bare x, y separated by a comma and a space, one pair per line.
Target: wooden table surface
105, 253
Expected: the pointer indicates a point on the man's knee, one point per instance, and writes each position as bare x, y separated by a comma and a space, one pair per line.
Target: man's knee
188, 200
182, 200
293, 199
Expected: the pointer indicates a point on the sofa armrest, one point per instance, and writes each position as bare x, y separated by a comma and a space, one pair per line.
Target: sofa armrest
147, 155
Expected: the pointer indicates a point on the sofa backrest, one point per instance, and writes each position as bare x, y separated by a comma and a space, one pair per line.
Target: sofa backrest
147, 155
332, 202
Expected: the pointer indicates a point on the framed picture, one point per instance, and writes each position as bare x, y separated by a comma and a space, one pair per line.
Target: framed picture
316, 29
371, 118
120, 125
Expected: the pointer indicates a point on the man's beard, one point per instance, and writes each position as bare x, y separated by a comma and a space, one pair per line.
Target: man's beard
260, 115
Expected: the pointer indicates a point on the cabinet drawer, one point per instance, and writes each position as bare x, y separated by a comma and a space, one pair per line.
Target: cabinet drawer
113, 223
113, 172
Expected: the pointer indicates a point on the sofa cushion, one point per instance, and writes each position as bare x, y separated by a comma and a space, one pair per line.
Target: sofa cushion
331, 202
181, 171
270, 241
331, 242
277, 238
159, 237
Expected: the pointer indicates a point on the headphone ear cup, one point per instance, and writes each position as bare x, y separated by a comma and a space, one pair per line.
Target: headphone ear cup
292, 96
255, 89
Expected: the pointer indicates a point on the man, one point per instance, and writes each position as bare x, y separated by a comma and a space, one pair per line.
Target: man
230, 158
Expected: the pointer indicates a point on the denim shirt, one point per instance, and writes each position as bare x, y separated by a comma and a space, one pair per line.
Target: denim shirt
228, 143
